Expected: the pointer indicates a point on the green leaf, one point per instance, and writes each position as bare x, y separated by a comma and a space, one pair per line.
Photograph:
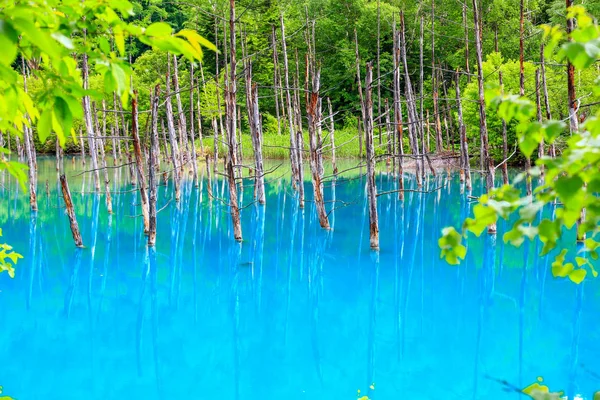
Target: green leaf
8, 43
577, 275
119, 40
44, 125
452, 250
159, 29
562, 270
567, 187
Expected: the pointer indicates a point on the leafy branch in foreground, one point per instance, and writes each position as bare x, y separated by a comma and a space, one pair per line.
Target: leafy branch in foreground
570, 181
8, 258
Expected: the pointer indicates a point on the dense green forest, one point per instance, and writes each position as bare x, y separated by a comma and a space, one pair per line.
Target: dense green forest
440, 38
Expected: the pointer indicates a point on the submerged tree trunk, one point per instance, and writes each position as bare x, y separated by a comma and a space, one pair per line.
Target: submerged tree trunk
89, 125
538, 102
299, 134
30, 150
371, 188
172, 135
192, 133
103, 156
413, 119
139, 161
485, 151
231, 128
465, 166
398, 113
546, 98
70, 211
152, 168
573, 122
314, 119
293, 145
522, 83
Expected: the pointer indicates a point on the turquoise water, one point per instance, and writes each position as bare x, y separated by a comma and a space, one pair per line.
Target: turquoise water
292, 313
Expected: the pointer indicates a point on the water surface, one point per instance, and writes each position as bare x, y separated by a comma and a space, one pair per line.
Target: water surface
293, 312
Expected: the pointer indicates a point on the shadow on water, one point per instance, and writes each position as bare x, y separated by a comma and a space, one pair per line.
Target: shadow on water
292, 312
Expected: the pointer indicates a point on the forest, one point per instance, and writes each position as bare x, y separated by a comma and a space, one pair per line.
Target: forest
292, 199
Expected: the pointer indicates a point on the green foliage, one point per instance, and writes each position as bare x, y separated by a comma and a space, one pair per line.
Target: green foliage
8, 260
570, 180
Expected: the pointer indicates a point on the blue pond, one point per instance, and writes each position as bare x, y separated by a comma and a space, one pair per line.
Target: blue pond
293, 312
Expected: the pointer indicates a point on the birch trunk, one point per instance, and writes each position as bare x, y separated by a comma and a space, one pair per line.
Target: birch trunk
332, 137
172, 135
89, 125
488, 167
139, 162
371, 188
465, 164
314, 119
504, 138
152, 169
192, 133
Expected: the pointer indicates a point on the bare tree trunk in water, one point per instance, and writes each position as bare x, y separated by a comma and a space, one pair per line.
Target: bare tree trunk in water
436, 110
465, 166
82, 145
299, 134
522, 83
314, 119
275, 80
379, 68
293, 144
152, 168
30, 150
538, 102
504, 138
413, 119
89, 125
371, 188
181, 125
103, 155
139, 161
573, 122
546, 98
360, 90
192, 133
231, 128
172, 135
488, 167
70, 212
398, 113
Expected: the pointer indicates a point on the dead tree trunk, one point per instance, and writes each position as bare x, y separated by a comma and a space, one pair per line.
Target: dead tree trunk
436, 110
413, 119
255, 127
30, 150
360, 90
199, 114
256, 132
573, 122
172, 135
371, 188
314, 119
522, 82
466, 26
398, 112
545, 89
288, 97
465, 165
139, 162
82, 145
152, 168
504, 138
332, 137
231, 128
379, 68
192, 133
299, 134
538, 102
275, 80
103, 156
181, 124
489, 166
89, 125
70, 211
